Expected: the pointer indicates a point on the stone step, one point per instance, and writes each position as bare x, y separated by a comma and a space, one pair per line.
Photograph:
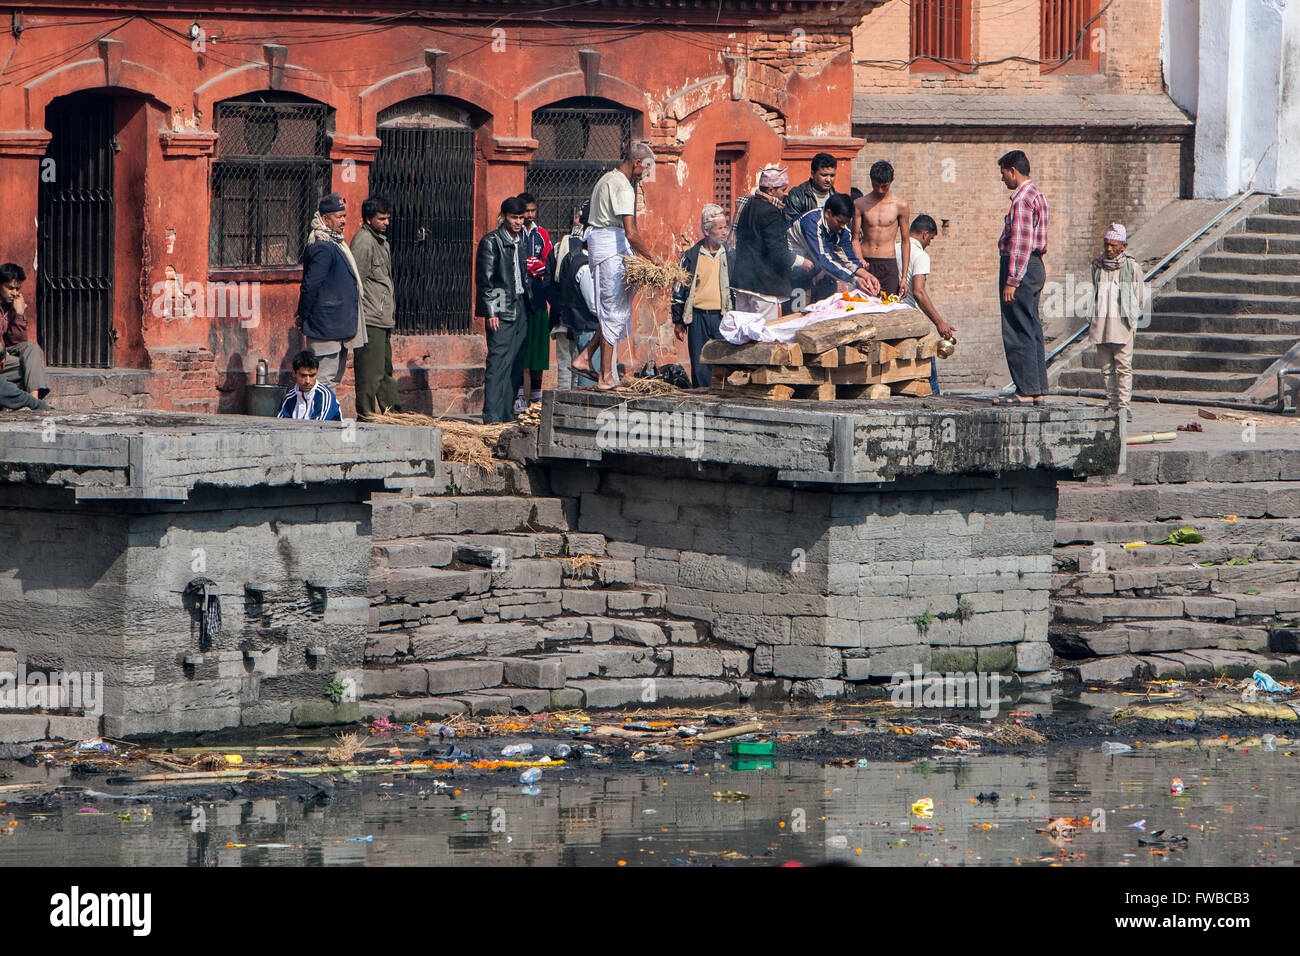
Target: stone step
1259, 243
660, 691
421, 680
411, 554
1170, 315
400, 516
1205, 342
499, 700
1155, 636
1221, 302
1262, 608
1274, 262
1200, 384
1115, 557
1237, 363
1284, 205
1197, 499
1175, 580
1272, 223
1190, 664
418, 585
1256, 285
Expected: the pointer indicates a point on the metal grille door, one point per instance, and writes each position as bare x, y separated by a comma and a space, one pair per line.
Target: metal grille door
576, 145
272, 168
428, 176
74, 236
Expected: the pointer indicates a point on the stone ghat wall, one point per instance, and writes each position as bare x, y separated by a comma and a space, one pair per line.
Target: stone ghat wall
101, 588
951, 575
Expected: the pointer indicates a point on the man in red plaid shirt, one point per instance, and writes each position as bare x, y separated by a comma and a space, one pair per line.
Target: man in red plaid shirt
1020, 280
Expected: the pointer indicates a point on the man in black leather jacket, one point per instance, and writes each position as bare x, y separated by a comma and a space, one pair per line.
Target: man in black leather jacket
813, 193
502, 300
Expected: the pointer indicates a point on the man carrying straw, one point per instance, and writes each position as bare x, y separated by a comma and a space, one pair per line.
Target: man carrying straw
612, 233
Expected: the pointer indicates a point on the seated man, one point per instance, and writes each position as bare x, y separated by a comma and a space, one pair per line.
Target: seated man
309, 399
24, 362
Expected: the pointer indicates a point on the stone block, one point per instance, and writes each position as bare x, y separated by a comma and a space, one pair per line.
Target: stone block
20, 728
579, 601
1106, 669
640, 632
609, 693
567, 698
633, 600
73, 728
450, 677
1033, 656
952, 660
531, 701
529, 573
485, 703
420, 708
806, 661
408, 679
325, 713
818, 689
525, 672
999, 658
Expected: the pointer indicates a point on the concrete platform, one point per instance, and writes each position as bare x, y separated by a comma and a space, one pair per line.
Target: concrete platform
841, 442
165, 455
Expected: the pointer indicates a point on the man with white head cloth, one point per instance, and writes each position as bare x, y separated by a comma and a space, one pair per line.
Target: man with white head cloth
612, 233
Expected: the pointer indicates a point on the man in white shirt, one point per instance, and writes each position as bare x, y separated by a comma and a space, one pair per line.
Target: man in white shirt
612, 233
922, 234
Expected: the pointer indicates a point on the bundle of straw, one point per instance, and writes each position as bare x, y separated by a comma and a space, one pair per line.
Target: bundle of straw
653, 277
465, 442
649, 386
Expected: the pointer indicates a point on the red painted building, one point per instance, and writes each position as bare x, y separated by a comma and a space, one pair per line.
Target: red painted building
160, 165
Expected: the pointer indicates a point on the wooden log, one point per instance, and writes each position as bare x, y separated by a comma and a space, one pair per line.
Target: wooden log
918, 387
739, 376
828, 359
718, 352
879, 373
787, 375
902, 324
776, 393
873, 392
906, 348
825, 392
820, 336
928, 347
873, 353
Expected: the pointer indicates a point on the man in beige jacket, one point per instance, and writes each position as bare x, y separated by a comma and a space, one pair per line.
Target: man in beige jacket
1118, 299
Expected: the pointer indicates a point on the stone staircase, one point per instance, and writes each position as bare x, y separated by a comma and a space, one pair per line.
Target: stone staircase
490, 603
1227, 606
1227, 316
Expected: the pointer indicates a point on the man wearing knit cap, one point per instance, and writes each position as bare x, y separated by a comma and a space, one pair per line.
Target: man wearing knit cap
700, 301
1119, 297
761, 278
329, 300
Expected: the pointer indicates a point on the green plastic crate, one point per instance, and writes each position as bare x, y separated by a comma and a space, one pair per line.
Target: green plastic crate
753, 748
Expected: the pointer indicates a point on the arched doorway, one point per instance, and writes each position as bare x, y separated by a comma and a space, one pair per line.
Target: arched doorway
74, 236
578, 141
425, 168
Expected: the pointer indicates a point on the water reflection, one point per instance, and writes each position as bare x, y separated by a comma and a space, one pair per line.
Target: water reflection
1239, 808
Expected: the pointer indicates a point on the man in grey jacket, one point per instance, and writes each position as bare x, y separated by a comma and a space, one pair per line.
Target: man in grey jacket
376, 387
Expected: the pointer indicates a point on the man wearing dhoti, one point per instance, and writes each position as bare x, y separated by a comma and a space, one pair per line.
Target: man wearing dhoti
612, 234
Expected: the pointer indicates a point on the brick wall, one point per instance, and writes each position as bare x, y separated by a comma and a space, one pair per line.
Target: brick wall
1129, 62
1087, 184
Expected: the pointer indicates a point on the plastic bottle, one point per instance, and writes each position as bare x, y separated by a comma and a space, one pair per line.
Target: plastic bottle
560, 751
517, 750
530, 776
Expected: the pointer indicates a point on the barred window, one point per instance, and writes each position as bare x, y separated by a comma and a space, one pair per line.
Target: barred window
272, 166
1072, 38
578, 141
724, 164
940, 36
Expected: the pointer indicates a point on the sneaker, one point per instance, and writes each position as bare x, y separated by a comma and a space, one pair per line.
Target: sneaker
520, 406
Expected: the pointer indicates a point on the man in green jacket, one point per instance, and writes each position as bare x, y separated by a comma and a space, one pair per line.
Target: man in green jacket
376, 387
1119, 297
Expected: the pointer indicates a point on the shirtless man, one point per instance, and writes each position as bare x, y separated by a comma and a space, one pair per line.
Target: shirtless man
876, 217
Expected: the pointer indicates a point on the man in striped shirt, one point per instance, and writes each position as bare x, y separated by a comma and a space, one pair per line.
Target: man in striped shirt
823, 247
1020, 280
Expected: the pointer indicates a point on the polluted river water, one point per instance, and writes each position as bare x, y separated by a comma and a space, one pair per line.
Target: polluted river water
1189, 802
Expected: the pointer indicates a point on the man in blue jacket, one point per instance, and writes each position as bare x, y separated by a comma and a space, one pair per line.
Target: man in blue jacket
309, 400
822, 238
329, 302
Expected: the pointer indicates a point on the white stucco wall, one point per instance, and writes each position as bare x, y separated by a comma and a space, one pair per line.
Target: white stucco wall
1288, 149
1179, 50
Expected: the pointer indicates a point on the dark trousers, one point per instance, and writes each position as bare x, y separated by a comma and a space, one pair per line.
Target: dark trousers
503, 346
1022, 332
13, 398
704, 326
373, 367
934, 376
